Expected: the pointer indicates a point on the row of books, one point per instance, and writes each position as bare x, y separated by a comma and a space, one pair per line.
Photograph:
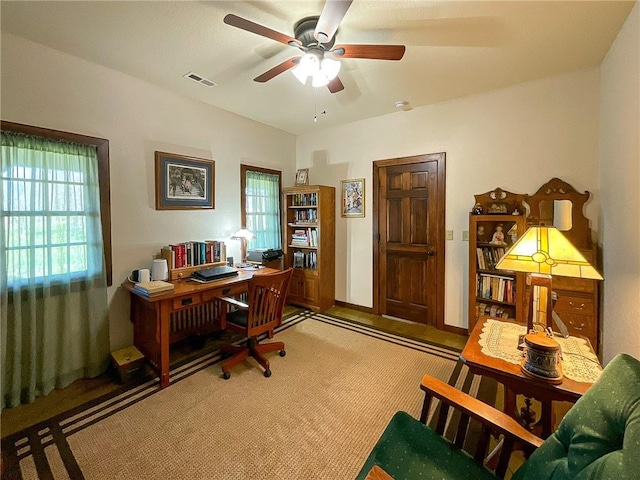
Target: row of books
306, 216
494, 287
305, 260
304, 199
153, 288
495, 311
489, 256
304, 237
192, 254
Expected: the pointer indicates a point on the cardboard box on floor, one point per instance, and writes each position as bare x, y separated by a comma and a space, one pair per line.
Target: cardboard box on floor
128, 364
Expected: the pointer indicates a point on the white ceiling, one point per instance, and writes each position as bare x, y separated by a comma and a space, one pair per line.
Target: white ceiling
454, 49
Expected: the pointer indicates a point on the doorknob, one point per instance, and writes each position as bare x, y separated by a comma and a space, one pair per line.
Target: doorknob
430, 253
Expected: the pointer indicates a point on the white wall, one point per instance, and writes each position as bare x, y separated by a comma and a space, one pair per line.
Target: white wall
516, 138
46, 88
620, 187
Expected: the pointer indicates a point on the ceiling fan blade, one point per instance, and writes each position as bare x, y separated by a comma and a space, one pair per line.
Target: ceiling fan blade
330, 18
277, 70
335, 85
373, 52
252, 27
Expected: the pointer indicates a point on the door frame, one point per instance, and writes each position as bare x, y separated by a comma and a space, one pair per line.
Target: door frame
440, 227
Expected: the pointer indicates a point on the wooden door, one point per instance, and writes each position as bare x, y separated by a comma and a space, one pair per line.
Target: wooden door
410, 245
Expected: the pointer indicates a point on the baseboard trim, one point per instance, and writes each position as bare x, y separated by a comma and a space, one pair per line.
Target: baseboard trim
458, 330
360, 308
353, 306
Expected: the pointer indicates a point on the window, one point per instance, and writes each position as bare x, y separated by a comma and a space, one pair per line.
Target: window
54, 187
260, 206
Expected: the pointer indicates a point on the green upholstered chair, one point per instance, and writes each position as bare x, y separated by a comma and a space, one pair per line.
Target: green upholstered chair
599, 437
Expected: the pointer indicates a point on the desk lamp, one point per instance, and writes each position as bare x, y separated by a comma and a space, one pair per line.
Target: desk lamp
243, 235
544, 251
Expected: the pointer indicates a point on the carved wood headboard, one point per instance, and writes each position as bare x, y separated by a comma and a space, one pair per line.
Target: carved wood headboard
541, 206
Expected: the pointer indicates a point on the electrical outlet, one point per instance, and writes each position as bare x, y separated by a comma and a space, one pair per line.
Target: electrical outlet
465, 235
449, 234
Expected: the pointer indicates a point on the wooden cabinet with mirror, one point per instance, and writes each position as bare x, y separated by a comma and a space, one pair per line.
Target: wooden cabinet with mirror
558, 203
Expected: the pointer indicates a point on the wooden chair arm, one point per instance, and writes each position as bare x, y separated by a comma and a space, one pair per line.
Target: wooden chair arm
233, 301
492, 421
487, 415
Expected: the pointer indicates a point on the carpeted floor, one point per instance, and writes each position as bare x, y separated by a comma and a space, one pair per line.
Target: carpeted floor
317, 416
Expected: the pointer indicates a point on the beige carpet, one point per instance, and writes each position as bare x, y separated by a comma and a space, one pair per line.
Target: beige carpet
316, 417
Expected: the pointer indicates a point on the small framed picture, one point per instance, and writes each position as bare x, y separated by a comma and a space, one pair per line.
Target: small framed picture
184, 183
302, 176
352, 197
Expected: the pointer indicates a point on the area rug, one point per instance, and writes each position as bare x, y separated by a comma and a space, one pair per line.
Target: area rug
317, 417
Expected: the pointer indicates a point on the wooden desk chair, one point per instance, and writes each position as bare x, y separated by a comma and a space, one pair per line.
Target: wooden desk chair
262, 314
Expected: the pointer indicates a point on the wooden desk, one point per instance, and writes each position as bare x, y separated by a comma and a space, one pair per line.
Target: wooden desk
192, 308
516, 382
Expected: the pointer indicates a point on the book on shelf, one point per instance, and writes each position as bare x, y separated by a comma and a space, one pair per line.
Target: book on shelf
305, 260
496, 311
306, 216
154, 287
169, 255
488, 257
299, 237
194, 253
305, 237
305, 199
495, 287
480, 255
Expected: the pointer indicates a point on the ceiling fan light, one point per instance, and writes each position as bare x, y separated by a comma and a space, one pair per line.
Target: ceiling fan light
309, 63
320, 79
300, 74
330, 67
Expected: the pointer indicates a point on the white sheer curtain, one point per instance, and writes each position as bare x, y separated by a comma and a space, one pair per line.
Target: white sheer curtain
52, 269
263, 209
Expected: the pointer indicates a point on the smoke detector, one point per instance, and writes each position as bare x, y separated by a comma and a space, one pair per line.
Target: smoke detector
403, 105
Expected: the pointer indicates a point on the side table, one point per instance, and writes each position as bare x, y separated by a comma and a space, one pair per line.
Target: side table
481, 361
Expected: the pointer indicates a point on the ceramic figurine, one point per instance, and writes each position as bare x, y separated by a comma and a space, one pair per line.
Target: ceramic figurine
498, 236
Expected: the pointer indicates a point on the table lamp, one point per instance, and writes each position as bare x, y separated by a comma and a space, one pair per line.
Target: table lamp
544, 251
243, 235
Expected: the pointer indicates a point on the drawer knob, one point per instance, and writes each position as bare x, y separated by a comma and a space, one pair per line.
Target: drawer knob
576, 307
577, 327
186, 301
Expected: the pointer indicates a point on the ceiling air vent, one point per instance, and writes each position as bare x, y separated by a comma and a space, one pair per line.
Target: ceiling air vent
200, 79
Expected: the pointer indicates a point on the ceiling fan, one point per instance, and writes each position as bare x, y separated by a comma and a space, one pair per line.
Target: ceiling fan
315, 36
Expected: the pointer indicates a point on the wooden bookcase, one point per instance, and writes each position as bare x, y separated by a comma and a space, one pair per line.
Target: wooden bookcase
496, 293
309, 230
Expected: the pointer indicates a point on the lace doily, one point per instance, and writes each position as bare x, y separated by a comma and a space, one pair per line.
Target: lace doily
500, 339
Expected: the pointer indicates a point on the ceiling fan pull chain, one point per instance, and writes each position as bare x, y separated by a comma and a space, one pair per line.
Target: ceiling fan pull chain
315, 105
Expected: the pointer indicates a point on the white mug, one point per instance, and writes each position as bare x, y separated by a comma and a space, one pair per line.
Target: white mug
141, 275
159, 270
